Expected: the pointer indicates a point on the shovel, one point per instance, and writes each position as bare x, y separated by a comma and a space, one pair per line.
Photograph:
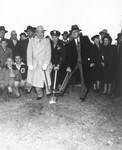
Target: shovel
46, 81
54, 98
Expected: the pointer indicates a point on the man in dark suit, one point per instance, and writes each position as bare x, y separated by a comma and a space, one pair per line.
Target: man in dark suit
13, 43
78, 55
24, 43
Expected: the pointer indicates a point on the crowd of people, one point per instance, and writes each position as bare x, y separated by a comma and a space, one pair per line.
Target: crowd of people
42, 62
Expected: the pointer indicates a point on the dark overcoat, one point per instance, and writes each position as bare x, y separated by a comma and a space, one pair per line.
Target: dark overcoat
72, 57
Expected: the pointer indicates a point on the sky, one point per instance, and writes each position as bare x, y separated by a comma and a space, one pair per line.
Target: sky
91, 16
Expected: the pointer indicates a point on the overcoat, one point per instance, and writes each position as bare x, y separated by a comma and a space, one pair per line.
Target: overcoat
96, 58
72, 57
38, 54
110, 59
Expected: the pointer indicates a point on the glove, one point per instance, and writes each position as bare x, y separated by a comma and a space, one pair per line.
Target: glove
44, 67
10, 89
31, 67
92, 65
103, 64
68, 69
56, 67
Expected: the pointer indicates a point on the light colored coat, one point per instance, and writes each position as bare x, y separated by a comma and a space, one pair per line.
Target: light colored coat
38, 54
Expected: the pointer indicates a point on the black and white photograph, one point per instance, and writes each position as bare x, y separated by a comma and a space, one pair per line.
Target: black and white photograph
61, 75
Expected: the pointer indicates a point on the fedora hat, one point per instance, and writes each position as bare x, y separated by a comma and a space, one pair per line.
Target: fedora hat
2, 28
29, 28
40, 28
95, 36
75, 27
104, 31
118, 36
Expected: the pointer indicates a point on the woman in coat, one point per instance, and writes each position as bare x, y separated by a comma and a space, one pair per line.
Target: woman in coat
39, 61
109, 54
96, 63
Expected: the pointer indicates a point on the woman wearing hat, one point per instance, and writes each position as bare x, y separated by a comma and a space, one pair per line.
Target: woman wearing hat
109, 56
96, 60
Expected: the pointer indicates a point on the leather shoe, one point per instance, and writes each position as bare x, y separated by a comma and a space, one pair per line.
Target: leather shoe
83, 99
61, 94
38, 98
27, 92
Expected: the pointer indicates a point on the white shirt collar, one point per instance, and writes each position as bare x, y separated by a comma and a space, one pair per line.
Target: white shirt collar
18, 65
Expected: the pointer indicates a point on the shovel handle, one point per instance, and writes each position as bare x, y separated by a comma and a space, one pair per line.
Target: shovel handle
46, 80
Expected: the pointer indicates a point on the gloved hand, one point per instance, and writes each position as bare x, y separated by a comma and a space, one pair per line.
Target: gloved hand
68, 69
56, 67
10, 89
103, 64
31, 67
44, 67
92, 65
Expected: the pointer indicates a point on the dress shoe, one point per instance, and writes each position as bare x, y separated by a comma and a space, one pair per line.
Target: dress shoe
38, 98
27, 92
18, 96
49, 94
61, 94
83, 99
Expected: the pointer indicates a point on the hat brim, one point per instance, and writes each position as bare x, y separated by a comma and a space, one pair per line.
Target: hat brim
65, 34
28, 29
4, 30
41, 30
75, 29
103, 32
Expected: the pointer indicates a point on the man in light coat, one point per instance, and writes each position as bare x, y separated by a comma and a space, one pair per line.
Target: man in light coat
39, 62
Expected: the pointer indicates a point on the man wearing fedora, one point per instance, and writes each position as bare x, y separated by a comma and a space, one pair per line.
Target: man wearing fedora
78, 53
3, 31
39, 62
24, 44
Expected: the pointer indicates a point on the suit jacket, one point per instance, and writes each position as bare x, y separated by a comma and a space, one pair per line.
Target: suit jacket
4, 55
15, 48
58, 52
72, 55
23, 50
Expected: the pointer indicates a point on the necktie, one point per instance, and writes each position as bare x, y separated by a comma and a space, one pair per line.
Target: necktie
79, 51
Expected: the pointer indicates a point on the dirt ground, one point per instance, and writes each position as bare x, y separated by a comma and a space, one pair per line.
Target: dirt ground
28, 124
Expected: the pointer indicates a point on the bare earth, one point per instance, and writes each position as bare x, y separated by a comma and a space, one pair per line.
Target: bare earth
28, 124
